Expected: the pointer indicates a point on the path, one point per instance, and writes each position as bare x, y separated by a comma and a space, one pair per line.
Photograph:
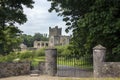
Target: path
40, 77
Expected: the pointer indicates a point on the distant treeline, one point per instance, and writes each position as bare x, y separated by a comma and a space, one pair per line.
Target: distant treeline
29, 39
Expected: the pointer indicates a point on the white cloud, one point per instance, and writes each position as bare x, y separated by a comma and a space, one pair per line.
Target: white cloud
39, 19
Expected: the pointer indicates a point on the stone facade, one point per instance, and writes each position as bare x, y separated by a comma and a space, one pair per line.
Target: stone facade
40, 44
14, 68
56, 38
23, 47
102, 68
64, 40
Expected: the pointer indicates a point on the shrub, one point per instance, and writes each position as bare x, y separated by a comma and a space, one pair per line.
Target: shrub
59, 50
26, 55
63, 50
40, 52
8, 58
2, 59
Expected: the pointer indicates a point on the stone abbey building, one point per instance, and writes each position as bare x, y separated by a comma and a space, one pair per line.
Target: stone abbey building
40, 44
55, 39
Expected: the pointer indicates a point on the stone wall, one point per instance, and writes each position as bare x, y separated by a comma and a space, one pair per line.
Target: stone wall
41, 68
110, 69
102, 68
14, 68
64, 40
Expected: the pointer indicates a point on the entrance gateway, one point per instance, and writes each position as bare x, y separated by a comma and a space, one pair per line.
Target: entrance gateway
72, 67
63, 66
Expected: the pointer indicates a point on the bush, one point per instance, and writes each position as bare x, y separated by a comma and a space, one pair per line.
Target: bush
40, 52
59, 50
63, 50
8, 58
114, 52
26, 55
2, 59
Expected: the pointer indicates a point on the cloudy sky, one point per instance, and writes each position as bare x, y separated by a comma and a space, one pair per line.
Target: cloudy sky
39, 19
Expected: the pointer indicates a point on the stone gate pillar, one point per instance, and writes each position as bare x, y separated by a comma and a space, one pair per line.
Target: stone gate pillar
51, 61
98, 57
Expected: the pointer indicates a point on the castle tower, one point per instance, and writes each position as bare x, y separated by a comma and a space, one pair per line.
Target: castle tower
55, 31
55, 37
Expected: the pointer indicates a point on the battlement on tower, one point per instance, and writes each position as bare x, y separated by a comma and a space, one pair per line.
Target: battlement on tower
56, 38
55, 31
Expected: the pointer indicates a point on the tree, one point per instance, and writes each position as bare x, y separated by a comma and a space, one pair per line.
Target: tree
93, 22
11, 40
11, 12
70, 10
37, 36
29, 39
40, 37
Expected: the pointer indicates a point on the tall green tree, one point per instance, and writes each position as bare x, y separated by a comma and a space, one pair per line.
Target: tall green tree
40, 37
11, 12
29, 39
93, 22
10, 39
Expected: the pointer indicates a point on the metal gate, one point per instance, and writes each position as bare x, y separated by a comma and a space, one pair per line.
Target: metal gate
74, 67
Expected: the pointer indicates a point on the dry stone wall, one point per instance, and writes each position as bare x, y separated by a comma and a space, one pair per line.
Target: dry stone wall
110, 69
41, 67
102, 68
14, 68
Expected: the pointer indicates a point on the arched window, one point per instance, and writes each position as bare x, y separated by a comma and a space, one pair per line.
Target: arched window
38, 44
42, 44
46, 44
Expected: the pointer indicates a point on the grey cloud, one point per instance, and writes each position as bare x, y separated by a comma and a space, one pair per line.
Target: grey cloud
39, 19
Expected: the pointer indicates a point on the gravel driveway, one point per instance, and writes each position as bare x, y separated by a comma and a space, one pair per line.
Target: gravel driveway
28, 77
67, 71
